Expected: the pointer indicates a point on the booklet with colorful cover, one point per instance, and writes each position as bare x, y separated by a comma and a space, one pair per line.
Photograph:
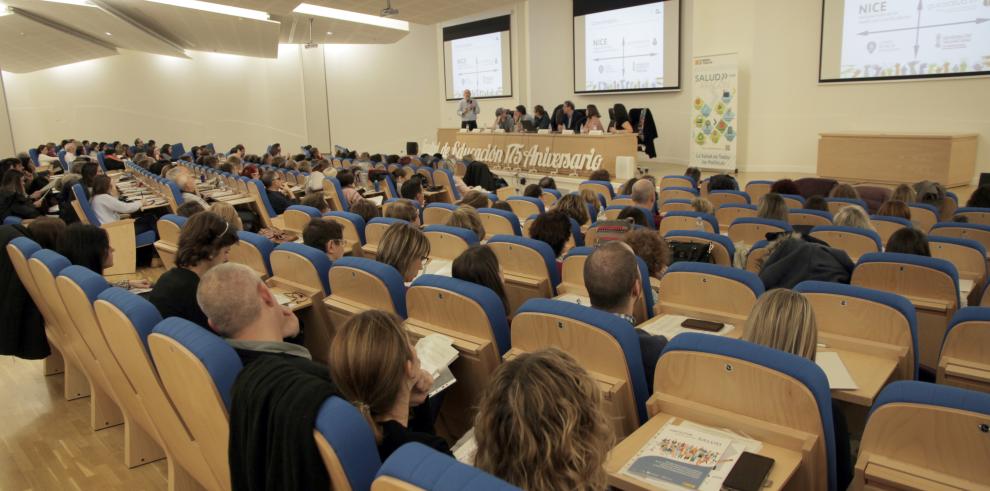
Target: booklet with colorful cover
678, 455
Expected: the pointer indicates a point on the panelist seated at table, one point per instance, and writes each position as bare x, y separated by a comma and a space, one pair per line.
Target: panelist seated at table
594, 120
503, 120
571, 119
524, 122
784, 320
540, 118
620, 120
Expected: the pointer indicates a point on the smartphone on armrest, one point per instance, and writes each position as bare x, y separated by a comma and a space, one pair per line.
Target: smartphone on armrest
701, 325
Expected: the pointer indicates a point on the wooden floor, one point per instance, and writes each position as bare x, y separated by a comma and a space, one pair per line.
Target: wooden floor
46, 442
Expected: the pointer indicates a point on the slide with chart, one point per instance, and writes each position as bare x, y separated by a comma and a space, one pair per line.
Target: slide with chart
477, 65
624, 48
903, 38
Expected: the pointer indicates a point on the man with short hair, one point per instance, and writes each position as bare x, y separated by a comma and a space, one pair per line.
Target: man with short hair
279, 194
413, 190
327, 236
644, 196
468, 110
241, 309
521, 116
573, 120
188, 187
403, 210
612, 278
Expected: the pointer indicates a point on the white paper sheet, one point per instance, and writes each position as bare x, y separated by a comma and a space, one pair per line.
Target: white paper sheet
574, 298
440, 267
436, 352
282, 299
465, 448
441, 382
838, 376
965, 287
669, 326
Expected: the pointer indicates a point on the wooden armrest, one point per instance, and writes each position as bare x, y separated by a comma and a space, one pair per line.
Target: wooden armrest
124, 222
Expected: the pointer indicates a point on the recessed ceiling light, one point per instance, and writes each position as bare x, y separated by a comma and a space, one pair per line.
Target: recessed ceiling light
346, 15
215, 8
108, 34
82, 3
329, 33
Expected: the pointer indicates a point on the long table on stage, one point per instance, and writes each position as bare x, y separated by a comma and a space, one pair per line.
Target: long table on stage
552, 153
894, 158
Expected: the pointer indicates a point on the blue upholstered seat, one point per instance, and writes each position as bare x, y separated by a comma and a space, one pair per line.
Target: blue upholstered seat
91, 283
309, 210
464, 234
262, 244
487, 299
507, 215
939, 265
388, 275
851, 231
340, 192
453, 186
701, 234
219, 358
967, 314
615, 326
321, 263
741, 194
763, 221
142, 313
354, 218
686, 189
851, 201
750, 280
912, 392
819, 213
535, 201
688, 181
904, 222
540, 247
608, 185
425, 468
264, 196
694, 214
352, 440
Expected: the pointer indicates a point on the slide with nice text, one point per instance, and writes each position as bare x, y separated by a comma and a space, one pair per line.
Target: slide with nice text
624, 48
892, 38
477, 64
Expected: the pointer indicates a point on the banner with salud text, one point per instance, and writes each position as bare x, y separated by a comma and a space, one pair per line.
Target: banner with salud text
715, 112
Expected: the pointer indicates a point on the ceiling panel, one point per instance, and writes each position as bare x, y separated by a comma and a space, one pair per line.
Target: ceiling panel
419, 11
205, 31
281, 7
96, 22
295, 30
27, 45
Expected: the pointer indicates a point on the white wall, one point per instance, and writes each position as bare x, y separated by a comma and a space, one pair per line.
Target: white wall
6, 134
217, 98
382, 96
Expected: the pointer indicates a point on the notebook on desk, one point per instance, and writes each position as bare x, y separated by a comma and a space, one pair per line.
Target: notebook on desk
836, 371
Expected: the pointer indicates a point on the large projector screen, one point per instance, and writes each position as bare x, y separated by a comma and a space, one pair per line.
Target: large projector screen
901, 39
477, 57
626, 45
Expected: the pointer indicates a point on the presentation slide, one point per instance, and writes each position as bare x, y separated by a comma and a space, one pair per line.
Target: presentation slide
477, 57
477, 65
635, 47
871, 39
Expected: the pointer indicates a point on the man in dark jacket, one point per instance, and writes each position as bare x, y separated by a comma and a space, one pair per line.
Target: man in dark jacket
22, 329
795, 258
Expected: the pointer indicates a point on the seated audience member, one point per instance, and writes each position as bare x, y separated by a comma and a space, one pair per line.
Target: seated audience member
502, 205
190, 208
474, 199
694, 173
626, 188
702, 205
13, 200
852, 216
229, 214
108, 208
784, 186
89, 246
479, 265
326, 236
404, 210
251, 172
636, 214
816, 202
351, 194
533, 191
279, 193
467, 218
895, 208
723, 182
644, 194
314, 182
784, 320
187, 185
204, 242
980, 198
844, 191
459, 183
413, 190
909, 240
772, 207
547, 182
654, 251
375, 367
575, 207
541, 424
241, 309
316, 200
366, 209
600, 175
612, 279
553, 228
404, 247
227, 167
591, 198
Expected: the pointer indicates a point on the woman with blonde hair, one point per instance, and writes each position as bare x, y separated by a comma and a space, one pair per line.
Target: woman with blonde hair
590, 197
228, 213
895, 208
405, 248
541, 424
702, 205
844, 191
853, 216
468, 218
376, 368
904, 193
474, 199
772, 207
573, 206
784, 320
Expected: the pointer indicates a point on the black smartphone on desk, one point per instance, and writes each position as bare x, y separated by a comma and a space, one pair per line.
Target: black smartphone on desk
701, 325
748, 474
